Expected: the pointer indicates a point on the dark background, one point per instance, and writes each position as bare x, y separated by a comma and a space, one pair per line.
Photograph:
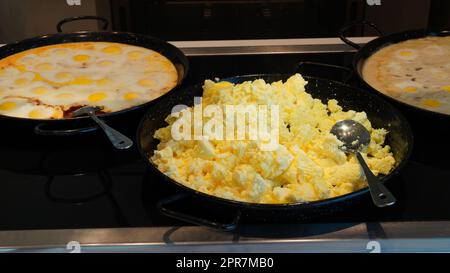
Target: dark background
221, 19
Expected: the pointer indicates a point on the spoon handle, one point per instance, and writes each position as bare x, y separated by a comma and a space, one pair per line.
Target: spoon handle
381, 196
118, 140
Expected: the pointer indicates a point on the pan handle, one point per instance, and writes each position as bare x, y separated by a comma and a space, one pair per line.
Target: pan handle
41, 130
348, 71
162, 207
344, 29
77, 18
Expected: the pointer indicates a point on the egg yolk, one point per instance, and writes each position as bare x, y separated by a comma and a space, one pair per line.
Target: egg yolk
36, 114
406, 53
146, 83
410, 89
446, 88
37, 77
112, 50
40, 91
44, 67
97, 97
21, 68
82, 80
104, 81
105, 63
6, 106
155, 64
131, 96
431, 103
81, 58
21, 81
134, 55
63, 75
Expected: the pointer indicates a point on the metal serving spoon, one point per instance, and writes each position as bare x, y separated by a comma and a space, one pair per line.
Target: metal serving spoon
355, 138
118, 140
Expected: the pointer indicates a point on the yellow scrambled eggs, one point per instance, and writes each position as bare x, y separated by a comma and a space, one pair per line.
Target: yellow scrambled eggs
306, 166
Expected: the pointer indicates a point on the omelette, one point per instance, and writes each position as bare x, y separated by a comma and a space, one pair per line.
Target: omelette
416, 72
51, 82
307, 164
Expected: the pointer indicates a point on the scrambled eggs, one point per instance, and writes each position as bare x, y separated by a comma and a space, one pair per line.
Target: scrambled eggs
306, 166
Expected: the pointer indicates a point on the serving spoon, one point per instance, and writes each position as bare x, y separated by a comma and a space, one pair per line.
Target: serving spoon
118, 140
355, 138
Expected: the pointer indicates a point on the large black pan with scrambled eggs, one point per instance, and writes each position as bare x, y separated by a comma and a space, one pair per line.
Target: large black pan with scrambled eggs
381, 114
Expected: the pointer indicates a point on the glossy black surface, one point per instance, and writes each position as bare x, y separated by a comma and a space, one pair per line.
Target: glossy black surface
231, 19
84, 183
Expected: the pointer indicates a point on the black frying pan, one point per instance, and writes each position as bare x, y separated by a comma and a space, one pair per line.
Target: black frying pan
373, 46
430, 128
379, 112
76, 126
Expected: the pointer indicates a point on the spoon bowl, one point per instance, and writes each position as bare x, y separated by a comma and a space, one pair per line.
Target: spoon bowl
353, 134
355, 138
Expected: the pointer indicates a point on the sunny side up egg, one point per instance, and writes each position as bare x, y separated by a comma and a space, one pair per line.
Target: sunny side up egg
49, 82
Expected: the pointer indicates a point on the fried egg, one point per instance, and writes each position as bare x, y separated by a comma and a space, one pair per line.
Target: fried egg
408, 86
406, 54
414, 71
27, 108
112, 76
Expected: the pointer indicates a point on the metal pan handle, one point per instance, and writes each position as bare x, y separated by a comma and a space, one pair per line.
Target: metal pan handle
349, 72
344, 29
77, 18
162, 207
41, 130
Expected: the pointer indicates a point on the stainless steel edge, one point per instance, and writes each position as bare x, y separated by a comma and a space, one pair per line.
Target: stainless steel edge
359, 237
266, 46
263, 50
